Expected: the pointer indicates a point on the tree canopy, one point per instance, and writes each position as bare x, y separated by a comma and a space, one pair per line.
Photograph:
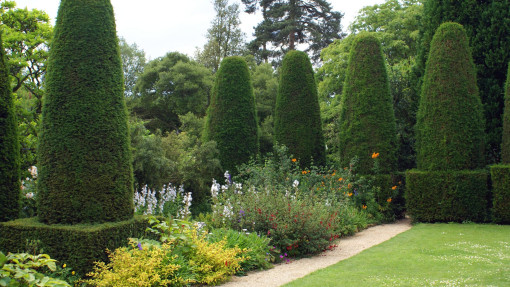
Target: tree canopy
287, 24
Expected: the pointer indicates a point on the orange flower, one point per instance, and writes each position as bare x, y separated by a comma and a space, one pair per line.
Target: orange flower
394, 187
340, 179
333, 174
388, 200
364, 207
294, 160
375, 155
349, 185
349, 194
304, 172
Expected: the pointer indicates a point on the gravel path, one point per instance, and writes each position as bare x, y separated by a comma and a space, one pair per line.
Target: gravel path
347, 247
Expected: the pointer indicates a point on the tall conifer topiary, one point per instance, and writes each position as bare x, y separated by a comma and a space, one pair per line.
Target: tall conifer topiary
9, 147
297, 122
231, 118
449, 184
367, 117
85, 172
505, 146
449, 128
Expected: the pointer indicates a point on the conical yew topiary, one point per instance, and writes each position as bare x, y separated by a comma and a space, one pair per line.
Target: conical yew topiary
450, 122
85, 172
505, 146
367, 117
9, 147
231, 119
297, 122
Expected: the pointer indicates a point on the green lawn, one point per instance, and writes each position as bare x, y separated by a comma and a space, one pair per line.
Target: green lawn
426, 255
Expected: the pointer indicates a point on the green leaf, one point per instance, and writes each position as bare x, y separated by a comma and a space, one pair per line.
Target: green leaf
3, 259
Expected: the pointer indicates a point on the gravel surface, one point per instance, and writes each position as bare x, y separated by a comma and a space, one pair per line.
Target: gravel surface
349, 246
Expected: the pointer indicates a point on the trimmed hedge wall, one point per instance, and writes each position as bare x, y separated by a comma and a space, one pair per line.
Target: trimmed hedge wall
367, 119
9, 147
447, 196
84, 156
79, 246
297, 120
500, 175
231, 118
505, 145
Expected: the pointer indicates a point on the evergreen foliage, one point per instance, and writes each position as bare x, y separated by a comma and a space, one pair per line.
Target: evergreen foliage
85, 172
500, 176
367, 120
449, 129
9, 147
505, 146
487, 25
297, 121
231, 119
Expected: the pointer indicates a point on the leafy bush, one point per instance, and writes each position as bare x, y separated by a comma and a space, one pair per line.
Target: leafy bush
22, 269
500, 175
258, 252
302, 211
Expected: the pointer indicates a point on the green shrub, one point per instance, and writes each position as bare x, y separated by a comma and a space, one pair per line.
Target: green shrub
231, 119
22, 269
445, 196
85, 172
505, 145
297, 121
450, 123
77, 245
500, 175
367, 120
9, 147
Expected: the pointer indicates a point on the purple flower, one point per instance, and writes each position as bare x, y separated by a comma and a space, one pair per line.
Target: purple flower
281, 256
230, 178
241, 212
140, 246
285, 254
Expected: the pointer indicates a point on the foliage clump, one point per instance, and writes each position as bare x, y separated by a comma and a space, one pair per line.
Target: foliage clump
505, 146
85, 172
297, 120
231, 119
9, 147
450, 124
367, 120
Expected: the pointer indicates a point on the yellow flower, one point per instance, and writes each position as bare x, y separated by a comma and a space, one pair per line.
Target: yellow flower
375, 155
73, 273
364, 207
64, 266
388, 200
294, 160
394, 187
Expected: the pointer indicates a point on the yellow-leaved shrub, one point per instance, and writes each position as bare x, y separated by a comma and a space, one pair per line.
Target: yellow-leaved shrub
150, 266
214, 262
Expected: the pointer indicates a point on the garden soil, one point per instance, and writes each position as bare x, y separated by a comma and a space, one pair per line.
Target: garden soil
349, 246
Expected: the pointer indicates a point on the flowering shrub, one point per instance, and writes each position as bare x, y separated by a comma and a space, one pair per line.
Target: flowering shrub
302, 211
22, 269
168, 201
29, 194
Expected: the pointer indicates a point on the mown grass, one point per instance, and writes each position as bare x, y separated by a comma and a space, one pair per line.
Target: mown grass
426, 255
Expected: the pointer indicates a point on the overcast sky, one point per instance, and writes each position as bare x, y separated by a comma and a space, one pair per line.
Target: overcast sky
161, 26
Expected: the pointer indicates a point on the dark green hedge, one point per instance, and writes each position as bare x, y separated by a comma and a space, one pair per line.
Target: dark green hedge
297, 120
231, 118
447, 196
450, 124
500, 175
505, 145
9, 147
78, 246
367, 119
85, 172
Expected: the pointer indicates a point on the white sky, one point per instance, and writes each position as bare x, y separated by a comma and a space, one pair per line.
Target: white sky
161, 26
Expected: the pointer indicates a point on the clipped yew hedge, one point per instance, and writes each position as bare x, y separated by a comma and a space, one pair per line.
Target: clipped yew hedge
297, 120
84, 158
367, 119
9, 147
231, 119
500, 175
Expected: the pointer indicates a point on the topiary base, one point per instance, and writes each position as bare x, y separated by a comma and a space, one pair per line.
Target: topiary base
78, 246
447, 196
500, 175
